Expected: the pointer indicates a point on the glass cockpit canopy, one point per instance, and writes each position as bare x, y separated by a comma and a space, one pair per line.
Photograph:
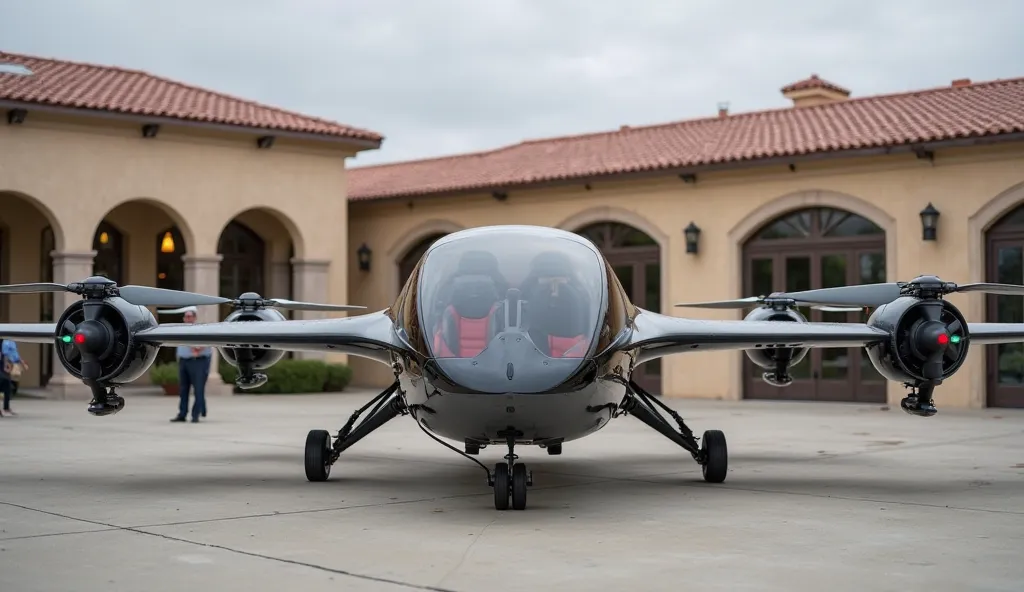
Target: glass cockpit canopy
543, 287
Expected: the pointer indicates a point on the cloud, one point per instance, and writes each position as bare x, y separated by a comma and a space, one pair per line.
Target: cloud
456, 75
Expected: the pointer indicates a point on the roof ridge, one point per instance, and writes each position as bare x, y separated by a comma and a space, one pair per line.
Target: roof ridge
184, 85
626, 128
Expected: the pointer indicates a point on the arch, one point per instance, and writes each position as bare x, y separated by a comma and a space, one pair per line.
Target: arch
995, 239
743, 230
410, 240
636, 250
284, 220
243, 266
170, 267
177, 220
51, 218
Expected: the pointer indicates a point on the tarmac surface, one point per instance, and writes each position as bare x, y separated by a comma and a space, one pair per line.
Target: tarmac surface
819, 496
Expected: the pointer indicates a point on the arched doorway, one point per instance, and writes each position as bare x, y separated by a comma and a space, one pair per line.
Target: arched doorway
170, 275
244, 260
636, 259
817, 248
108, 242
1004, 263
408, 261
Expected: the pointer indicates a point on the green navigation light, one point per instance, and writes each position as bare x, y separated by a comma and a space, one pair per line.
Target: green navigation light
66, 339
955, 339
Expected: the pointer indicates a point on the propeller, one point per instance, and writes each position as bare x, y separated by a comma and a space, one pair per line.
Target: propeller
773, 300
252, 300
99, 287
853, 298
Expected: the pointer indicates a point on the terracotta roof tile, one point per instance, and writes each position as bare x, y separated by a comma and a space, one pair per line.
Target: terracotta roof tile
947, 113
815, 82
106, 88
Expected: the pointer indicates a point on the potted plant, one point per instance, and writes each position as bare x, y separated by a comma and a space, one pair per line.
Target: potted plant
166, 376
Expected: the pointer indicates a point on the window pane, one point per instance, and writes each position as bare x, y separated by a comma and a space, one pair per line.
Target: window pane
872, 268
1010, 309
761, 277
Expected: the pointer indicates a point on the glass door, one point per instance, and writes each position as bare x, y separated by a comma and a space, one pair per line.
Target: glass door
1006, 361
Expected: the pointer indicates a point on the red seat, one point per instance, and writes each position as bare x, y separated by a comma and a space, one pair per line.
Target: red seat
469, 323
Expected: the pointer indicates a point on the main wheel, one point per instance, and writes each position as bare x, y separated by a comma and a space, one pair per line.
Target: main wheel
318, 452
716, 456
518, 487
501, 486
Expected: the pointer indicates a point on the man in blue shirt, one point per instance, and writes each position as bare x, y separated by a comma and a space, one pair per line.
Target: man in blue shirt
193, 371
10, 361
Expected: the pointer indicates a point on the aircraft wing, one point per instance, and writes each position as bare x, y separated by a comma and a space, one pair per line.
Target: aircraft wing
368, 335
657, 335
990, 333
29, 332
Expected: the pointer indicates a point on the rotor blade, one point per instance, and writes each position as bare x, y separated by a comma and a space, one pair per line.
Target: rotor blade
865, 295
738, 303
991, 288
32, 288
825, 308
294, 305
147, 296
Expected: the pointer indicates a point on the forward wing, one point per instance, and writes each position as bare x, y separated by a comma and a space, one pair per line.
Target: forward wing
657, 335
369, 336
29, 332
991, 333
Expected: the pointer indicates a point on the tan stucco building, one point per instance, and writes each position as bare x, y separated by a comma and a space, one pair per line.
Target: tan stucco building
827, 191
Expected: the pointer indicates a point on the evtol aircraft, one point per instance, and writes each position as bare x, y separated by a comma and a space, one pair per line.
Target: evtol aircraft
515, 336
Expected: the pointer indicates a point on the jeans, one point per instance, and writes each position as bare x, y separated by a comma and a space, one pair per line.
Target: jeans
192, 374
7, 387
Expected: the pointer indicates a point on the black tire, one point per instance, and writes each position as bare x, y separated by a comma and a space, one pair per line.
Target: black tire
716, 456
518, 487
501, 486
318, 449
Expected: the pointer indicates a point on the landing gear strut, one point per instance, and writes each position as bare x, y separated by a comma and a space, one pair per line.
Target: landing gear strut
510, 478
104, 402
321, 454
919, 402
711, 454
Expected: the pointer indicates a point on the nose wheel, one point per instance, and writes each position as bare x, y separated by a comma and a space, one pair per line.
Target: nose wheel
510, 481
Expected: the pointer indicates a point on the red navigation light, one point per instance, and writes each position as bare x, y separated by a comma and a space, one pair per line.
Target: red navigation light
943, 339
79, 338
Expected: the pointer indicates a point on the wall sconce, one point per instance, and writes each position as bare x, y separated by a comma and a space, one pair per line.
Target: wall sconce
692, 233
167, 244
929, 222
264, 142
16, 116
364, 253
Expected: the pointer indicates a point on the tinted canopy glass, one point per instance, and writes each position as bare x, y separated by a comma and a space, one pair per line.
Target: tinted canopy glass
510, 302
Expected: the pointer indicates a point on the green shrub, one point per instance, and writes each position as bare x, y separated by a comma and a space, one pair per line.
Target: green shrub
161, 374
295, 376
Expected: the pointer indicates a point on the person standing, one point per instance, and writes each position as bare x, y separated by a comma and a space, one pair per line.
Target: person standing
11, 366
193, 372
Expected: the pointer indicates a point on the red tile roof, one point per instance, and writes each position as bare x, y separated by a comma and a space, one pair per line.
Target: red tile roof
947, 113
815, 82
84, 86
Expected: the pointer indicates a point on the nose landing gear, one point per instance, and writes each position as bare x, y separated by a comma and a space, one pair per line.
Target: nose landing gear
510, 478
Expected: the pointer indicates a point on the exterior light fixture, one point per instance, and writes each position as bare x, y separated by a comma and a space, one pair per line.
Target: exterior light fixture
167, 244
364, 254
692, 233
929, 222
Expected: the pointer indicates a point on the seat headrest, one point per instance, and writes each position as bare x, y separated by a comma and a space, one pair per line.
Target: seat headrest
473, 295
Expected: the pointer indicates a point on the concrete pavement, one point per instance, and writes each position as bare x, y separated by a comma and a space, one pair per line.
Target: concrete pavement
847, 497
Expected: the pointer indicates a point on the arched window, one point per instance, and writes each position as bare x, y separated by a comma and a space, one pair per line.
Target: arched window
109, 246
817, 248
408, 262
635, 258
1005, 264
170, 269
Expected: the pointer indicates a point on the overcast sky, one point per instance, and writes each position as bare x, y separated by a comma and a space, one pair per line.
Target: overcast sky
446, 76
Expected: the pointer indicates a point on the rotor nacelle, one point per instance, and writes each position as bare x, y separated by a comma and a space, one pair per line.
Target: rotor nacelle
110, 336
253, 359
928, 340
776, 361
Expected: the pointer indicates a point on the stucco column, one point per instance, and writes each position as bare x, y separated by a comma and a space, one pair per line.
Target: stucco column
311, 281
202, 275
280, 280
68, 267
